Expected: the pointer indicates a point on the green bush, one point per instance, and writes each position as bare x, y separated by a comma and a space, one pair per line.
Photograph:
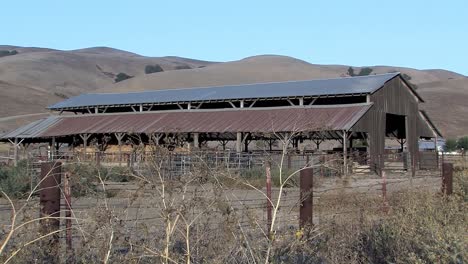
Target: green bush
15, 181
182, 67
122, 77
462, 143
4, 53
153, 69
365, 71
450, 145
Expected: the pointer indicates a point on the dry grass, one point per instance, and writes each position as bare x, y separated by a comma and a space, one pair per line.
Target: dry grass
191, 220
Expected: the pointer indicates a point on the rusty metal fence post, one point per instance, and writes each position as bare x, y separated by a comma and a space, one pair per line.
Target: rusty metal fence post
306, 197
68, 208
51, 176
447, 178
268, 193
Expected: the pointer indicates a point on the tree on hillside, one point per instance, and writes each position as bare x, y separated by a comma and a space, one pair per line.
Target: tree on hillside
4, 53
153, 69
121, 77
462, 143
365, 71
450, 145
182, 67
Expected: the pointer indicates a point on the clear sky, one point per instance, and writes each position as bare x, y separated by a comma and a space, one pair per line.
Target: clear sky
413, 33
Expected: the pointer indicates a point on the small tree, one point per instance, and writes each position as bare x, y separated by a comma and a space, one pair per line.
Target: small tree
4, 53
365, 71
182, 67
462, 143
153, 68
121, 77
351, 71
450, 145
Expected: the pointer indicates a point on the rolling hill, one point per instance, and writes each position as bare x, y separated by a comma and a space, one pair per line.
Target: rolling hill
36, 77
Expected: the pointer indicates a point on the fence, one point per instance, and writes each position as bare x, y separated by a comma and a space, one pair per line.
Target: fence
242, 195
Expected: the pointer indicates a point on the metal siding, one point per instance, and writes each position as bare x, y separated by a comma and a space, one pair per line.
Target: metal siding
394, 98
349, 85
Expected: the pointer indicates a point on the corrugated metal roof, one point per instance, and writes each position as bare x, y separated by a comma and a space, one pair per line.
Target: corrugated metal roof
34, 129
339, 86
287, 119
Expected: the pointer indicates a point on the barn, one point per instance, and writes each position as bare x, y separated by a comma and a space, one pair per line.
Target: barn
370, 109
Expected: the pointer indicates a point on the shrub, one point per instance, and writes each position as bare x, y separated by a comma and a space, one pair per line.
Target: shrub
365, 71
450, 145
153, 68
121, 77
462, 143
351, 71
182, 67
15, 181
4, 53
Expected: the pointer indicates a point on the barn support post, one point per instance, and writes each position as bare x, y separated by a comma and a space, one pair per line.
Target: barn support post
16, 144
306, 198
50, 207
119, 137
196, 142
53, 153
246, 141
85, 138
239, 142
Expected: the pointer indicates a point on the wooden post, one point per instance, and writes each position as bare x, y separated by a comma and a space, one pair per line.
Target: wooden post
50, 207
68, 221
268, 193
15, 151
384, 192
306, 197
447, 178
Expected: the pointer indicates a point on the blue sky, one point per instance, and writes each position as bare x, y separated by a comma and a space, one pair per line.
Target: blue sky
412, 33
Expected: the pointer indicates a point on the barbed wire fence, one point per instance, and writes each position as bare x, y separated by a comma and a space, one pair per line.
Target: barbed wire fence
210, 193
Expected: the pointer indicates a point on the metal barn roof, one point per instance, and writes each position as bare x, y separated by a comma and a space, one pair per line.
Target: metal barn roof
322, 87
266, 120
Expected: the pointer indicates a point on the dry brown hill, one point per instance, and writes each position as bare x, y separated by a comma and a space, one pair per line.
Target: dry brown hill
37, 77
52, 74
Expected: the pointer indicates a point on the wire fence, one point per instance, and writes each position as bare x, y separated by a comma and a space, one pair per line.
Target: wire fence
166, 189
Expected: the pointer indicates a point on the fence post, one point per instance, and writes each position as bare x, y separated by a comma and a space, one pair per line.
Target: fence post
50, 207
268, 193
447, 178
68, 221
306, 197
384, 192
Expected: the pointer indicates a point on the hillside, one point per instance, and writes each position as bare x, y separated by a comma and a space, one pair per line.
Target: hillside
36, 77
